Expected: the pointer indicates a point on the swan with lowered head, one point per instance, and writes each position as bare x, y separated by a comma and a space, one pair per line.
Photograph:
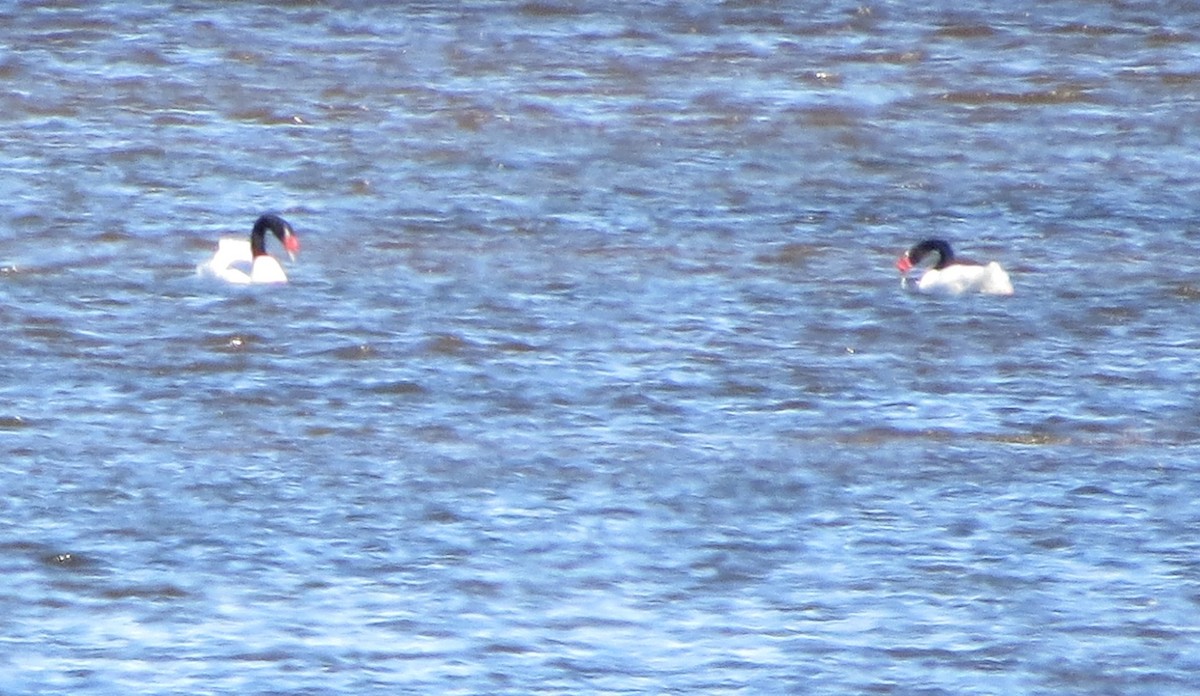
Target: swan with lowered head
247, 261
953, 275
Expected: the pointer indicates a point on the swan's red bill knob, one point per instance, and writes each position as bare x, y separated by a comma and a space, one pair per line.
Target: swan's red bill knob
292, 244
904, 264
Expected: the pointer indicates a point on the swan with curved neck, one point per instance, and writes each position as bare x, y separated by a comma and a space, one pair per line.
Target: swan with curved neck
247, 261
951, 274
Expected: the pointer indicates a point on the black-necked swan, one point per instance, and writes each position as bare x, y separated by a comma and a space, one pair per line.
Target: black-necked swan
247, 261
952, 275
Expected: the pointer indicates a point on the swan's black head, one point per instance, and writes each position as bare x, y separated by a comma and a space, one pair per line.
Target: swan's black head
280, 228
918, 253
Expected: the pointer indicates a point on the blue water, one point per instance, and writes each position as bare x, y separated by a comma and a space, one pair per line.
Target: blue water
594, 373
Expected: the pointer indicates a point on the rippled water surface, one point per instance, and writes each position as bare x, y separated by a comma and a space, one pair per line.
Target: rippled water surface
594, 373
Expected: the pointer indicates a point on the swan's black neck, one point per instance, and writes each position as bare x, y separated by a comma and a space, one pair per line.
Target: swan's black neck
939, 246
277, 225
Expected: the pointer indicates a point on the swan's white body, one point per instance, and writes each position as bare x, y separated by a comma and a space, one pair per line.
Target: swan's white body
234, 263
959, 278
